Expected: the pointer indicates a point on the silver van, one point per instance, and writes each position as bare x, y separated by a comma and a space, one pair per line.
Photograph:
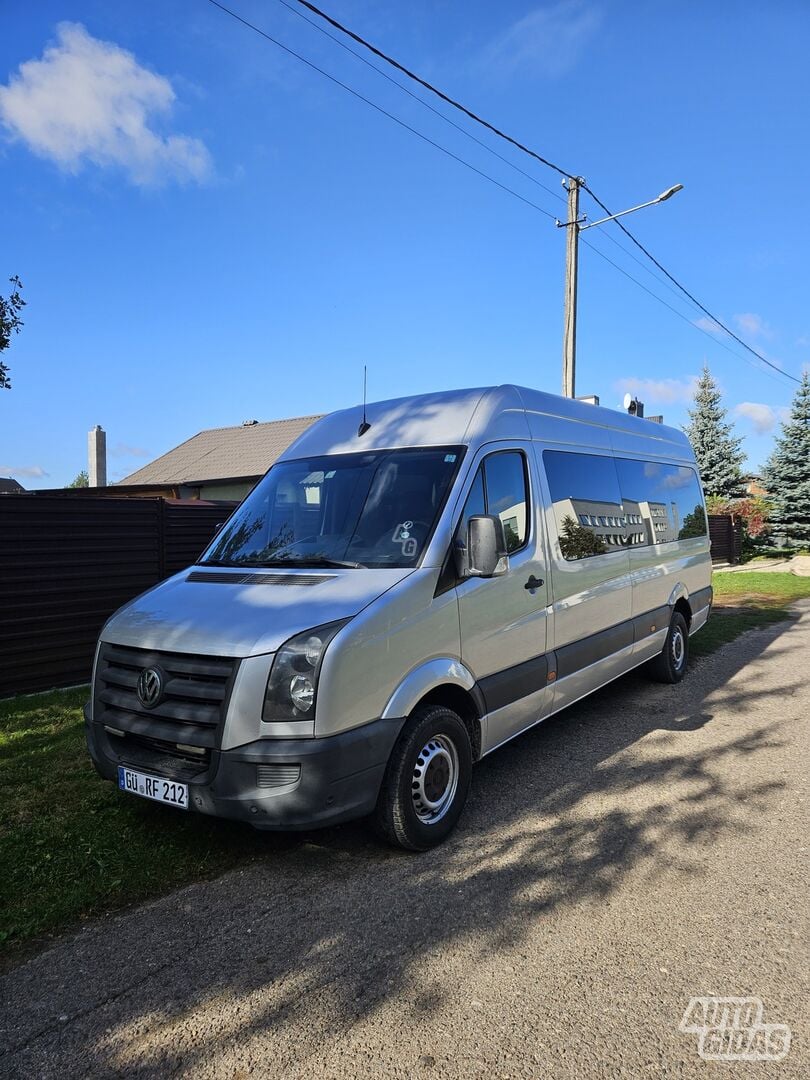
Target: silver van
404, 591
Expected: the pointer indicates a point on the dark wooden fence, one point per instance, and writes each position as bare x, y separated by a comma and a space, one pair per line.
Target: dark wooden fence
67, 564
725, 533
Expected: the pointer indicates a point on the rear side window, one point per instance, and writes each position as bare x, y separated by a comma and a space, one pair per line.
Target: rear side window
587, 503
602, 504
664, 501
500, 488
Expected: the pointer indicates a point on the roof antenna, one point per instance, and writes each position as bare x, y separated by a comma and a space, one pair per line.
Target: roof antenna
365, 425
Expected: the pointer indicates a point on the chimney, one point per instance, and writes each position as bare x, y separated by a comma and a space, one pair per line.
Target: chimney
97, 457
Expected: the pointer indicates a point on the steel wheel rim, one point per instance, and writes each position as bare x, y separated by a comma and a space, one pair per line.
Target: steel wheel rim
435, 779
678, 649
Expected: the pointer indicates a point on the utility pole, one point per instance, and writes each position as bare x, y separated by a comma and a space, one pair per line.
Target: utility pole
571, 259
575, 225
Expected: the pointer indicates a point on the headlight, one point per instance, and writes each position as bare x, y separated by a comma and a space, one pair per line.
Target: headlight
293, 683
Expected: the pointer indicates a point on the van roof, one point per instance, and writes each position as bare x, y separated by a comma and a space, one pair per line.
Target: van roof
479, 415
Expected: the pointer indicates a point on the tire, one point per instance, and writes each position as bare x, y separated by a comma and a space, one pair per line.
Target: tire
670, 665
427, 780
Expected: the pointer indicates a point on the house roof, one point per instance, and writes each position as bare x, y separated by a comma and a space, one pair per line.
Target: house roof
227, 453
9, 486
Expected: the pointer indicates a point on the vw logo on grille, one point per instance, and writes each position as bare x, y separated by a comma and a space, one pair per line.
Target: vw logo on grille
150, 687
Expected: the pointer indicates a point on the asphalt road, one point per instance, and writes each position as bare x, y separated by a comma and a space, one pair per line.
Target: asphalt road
646, 847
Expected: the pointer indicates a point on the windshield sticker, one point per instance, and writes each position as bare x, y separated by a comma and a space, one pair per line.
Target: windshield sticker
402, 536
449, 458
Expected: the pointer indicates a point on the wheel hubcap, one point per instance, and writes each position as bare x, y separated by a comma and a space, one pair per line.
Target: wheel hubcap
435, 779
678, 648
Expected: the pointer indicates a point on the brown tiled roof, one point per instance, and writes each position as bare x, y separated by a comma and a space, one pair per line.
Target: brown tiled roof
223, 453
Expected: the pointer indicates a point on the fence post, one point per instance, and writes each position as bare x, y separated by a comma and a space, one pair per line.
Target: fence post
161, 539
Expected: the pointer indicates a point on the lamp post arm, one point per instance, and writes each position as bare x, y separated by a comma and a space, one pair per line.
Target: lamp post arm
622, 213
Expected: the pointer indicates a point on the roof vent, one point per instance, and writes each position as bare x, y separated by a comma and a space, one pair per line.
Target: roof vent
249, 423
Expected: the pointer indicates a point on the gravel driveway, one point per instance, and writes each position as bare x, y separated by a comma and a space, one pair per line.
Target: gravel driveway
645, 847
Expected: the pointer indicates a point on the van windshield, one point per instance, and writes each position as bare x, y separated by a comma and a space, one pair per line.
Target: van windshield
376, 509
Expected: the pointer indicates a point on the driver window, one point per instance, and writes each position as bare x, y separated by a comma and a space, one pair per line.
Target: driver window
499, 488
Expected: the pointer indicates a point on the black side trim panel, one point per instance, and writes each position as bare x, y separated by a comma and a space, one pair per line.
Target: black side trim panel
517, 682
698, 600
590, 650
514, 683
651, 622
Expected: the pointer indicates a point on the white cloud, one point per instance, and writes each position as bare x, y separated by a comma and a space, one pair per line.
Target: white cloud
548, 41
708, 324
91, 101
27, 472
124, 450
753, 325
665, 391
764, 418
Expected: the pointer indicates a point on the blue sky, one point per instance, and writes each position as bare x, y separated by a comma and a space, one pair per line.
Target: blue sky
208, 231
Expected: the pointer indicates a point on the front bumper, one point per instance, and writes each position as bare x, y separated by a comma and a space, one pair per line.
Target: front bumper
339, 778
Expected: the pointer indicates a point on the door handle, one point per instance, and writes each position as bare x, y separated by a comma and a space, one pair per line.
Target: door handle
533, 583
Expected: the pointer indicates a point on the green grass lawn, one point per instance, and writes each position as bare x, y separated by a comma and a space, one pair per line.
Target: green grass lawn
71, 845
747, 601
759, 589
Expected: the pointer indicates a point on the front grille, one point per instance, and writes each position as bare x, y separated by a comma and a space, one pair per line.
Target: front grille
153, 755
192, 707
277, 775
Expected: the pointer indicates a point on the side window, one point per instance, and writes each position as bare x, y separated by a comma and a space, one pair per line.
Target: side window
587, 504
664, 501
506, 494
499, 488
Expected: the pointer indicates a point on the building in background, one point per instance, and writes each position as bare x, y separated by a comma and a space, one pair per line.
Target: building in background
218, 464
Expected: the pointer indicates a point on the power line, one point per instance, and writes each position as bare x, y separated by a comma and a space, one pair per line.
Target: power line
429, 86
380, 109
508, 138
675, 311
544, 161
356, 37
444, 150
686, 293
416, 97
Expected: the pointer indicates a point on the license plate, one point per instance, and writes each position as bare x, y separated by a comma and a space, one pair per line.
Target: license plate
153, 787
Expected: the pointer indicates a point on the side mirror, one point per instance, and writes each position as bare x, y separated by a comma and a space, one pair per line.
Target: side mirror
486, 546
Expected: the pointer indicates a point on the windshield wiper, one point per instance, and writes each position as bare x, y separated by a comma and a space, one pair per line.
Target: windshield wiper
305, 561
321, 560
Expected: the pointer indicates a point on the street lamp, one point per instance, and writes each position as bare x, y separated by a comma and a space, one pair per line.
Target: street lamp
575, 225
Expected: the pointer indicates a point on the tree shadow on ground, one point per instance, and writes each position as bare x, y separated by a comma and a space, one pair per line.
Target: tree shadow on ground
328, 926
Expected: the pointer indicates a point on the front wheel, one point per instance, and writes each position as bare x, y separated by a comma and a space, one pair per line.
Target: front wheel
670, 665
427, 780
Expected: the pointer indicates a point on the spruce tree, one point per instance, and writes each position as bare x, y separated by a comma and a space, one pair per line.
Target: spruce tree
718, 452
787, 474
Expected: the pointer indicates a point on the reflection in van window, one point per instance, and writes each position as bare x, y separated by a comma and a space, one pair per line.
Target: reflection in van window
587, 504
664, 499
499, 488
601, 504
375, 509
505, 478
